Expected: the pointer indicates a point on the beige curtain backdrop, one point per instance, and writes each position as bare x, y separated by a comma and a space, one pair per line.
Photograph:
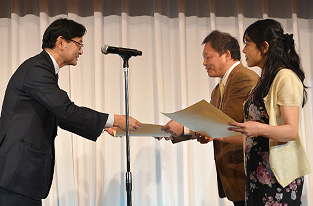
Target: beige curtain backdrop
168, 76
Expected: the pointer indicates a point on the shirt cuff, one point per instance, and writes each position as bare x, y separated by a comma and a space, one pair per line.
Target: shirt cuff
110, 121
187, 131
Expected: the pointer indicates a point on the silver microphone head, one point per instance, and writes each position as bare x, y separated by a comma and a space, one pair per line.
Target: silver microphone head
104, 49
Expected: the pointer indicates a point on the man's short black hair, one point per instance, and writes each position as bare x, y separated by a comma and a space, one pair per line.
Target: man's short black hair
66, 28
222, 42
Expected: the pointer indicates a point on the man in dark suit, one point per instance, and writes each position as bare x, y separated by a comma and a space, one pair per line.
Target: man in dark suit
33, 107
221, 55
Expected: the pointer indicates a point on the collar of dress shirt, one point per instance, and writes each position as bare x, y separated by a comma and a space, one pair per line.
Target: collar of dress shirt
55, 64
225, 77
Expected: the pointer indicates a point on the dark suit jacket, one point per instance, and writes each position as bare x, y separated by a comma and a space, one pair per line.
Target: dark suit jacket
33, 107
229, 157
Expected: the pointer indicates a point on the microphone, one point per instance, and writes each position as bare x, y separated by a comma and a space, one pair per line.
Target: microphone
106, 49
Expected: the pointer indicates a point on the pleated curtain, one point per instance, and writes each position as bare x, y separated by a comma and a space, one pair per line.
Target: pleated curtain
169, 76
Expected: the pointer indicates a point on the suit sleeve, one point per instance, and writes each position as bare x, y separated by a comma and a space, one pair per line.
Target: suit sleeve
41, 84
181, 138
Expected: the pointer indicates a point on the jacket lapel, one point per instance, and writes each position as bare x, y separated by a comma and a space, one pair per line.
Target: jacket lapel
227, 86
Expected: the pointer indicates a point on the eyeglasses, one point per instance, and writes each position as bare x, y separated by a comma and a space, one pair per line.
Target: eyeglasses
80, 45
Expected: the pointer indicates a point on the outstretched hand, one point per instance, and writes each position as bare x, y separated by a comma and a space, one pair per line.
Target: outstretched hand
174, 128
120, 121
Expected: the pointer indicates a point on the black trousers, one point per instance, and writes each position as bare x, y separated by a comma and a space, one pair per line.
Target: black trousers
10, 198
239, 203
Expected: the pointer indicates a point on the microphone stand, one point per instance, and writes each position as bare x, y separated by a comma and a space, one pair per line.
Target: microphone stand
125, 53
128, 173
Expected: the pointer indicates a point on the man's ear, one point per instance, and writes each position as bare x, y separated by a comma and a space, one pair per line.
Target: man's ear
228, 55
60, 43
264, 47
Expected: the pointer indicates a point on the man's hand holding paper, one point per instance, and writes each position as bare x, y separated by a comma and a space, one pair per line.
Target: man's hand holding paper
204, 119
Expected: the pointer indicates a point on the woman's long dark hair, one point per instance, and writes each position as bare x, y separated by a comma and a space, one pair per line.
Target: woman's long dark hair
281, 54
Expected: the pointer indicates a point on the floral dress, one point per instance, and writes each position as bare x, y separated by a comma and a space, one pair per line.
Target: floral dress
262, 187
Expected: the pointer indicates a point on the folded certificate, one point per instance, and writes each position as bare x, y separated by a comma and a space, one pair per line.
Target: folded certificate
205, 119
146, 130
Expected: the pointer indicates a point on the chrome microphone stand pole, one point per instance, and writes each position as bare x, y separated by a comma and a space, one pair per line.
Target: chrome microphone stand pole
128, 173
125, 53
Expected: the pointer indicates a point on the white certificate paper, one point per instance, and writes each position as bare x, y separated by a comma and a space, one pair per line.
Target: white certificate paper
146, 130
205, 119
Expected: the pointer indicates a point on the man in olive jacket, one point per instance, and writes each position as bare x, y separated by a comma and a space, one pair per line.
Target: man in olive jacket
221, 55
